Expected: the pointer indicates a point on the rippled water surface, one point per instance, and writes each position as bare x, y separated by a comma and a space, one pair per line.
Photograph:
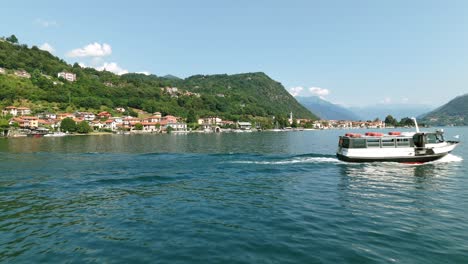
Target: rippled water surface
229, 198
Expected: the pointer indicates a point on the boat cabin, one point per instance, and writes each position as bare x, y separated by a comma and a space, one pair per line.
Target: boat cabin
392, 140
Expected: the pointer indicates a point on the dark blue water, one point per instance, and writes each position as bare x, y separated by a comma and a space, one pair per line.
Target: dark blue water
229, 198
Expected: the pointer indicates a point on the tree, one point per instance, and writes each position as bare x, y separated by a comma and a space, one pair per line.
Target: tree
68, 125
138, 126
294, 123
12, 39
192, 117
389, 120
406, 122
4, 125
130, 112
83, 127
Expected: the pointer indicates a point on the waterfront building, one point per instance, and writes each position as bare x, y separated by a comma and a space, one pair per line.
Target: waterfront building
26, 121
177, 126
169, 119
149, 126
244, 125
110, 124
211, 120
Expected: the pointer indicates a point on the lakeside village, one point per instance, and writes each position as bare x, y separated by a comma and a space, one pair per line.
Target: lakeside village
21, 122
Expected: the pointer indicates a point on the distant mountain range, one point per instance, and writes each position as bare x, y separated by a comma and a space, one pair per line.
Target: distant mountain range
330, 111
398, 111
326, 110
454, 112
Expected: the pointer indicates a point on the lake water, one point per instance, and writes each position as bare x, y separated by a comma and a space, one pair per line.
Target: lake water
226, 198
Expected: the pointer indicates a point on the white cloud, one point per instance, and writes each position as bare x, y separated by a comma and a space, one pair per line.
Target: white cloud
144, 72
112, 67
320, 92
91, 50
405, 100
295, 91
46, 23
47, 47
107, 66
312, 91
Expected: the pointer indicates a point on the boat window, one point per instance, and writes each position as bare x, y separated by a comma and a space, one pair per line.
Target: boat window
373, 143
388, 142
403, 142
431, 138
358, 143
345, 143
439, 138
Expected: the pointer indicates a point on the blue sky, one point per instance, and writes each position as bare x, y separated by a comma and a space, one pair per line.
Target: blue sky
349, 52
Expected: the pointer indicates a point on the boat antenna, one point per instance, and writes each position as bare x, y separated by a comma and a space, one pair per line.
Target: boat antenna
415, 124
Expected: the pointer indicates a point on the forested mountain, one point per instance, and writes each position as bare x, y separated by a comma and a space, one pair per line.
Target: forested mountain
325, 109
233, 97
454, 112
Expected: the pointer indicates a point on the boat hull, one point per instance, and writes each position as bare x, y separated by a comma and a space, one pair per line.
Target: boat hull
412, 159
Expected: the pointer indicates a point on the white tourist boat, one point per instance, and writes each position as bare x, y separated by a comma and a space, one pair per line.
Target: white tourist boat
407, 147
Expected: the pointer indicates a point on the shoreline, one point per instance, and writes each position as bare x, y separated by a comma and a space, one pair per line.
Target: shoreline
130, 133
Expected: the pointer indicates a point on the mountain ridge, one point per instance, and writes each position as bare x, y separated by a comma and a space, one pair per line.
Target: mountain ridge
454, 112
239, 96
325, 109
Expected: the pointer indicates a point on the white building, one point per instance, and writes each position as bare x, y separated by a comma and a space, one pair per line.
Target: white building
85, 116
47, 115
244, 125
177, 126
10, 110
16, 111
71, 77
110, 124
210, 121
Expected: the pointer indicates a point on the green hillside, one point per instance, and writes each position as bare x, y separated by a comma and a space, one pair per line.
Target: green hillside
454, 112
240, 96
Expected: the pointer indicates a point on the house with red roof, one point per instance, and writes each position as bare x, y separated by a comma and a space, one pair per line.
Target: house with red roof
104, 115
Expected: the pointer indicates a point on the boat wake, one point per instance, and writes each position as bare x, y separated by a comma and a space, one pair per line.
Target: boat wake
447, 159
330, 159
293, 160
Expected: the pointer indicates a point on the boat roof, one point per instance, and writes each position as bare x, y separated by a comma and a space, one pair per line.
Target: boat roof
387, 135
